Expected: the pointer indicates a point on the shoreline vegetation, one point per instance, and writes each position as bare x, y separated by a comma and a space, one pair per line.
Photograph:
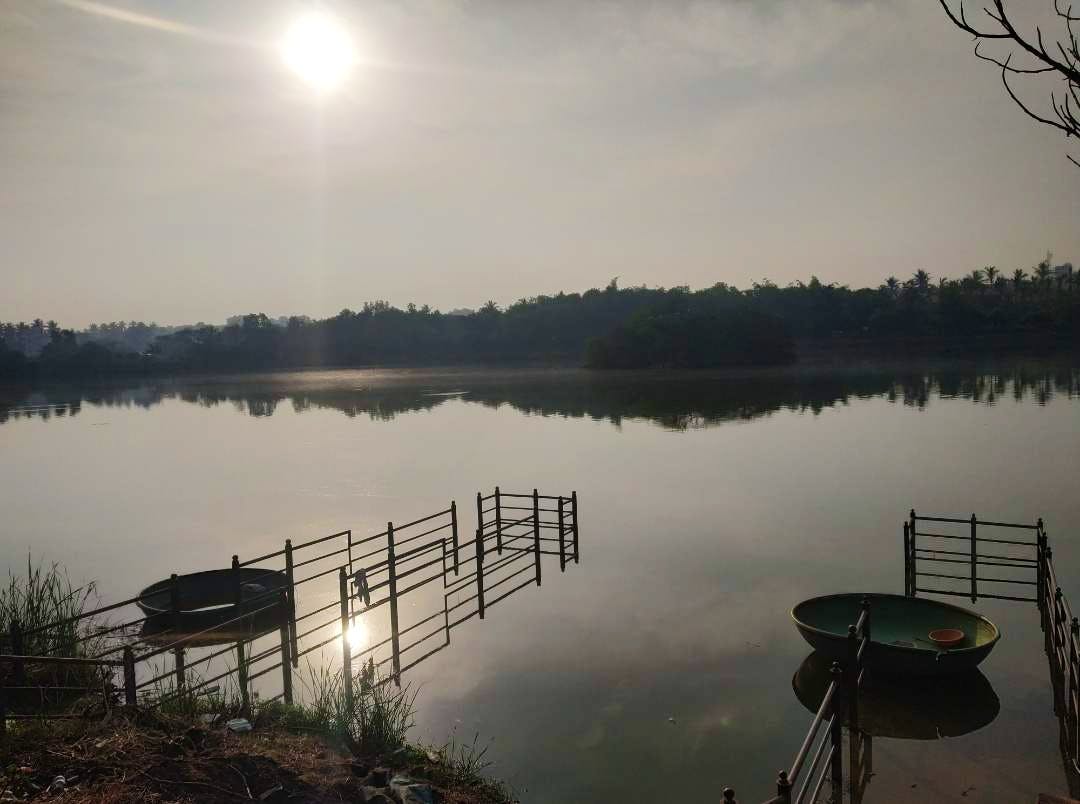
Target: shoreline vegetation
609, 328
177, 745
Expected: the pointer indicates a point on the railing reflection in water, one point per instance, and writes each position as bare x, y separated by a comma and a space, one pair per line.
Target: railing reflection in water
339, 590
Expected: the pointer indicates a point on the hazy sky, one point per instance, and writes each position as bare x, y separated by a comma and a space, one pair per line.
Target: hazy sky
159, 161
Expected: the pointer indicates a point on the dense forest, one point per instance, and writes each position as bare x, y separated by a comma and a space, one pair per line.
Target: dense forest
613, 327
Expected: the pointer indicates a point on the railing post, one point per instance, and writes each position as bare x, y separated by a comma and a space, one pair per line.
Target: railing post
498, 521
852, 676
1047, 602
346, 648
1073, 686
19, 649
783, 787
907, 562
3, 714
241, 659
174, 607
914, 553
286, 667
479, 572
1040, 572
836, 737
479, 512
391, 561
864, 604
1056, 628
574, 525
562, 541
130, 695
974, 583
290, 586
454, 533
536, 532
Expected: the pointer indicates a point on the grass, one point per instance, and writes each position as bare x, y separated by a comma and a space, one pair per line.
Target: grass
374, 722
375, 725
46, 596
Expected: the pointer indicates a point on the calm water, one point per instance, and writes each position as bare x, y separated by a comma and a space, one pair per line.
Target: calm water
710, 504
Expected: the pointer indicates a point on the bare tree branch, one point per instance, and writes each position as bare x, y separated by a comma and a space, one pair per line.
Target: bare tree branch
1031, 114
1006, 66
1066, 14
1066, 65
962, 23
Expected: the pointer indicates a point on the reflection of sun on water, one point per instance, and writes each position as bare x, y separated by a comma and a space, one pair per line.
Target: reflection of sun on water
357, 635
318, 49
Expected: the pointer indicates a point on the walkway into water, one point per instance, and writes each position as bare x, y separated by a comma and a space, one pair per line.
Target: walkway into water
962, 557
382, 602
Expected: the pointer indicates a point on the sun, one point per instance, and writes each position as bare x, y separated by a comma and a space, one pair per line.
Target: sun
319, 50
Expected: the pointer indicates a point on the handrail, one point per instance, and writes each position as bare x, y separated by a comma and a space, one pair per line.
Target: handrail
836, 709
321, 539
800, 757
421, 519
414, 563
73, 660
967, 521
813, 765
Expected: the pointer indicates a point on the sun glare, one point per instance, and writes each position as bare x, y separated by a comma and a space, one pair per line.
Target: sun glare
357, 635
318, 49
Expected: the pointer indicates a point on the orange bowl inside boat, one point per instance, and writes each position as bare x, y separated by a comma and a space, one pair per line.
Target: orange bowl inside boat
947, 637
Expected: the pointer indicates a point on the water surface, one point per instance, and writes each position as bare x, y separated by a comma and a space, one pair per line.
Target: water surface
660, 667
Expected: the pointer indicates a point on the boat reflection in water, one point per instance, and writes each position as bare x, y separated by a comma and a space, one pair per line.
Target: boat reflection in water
907, 708
900, 707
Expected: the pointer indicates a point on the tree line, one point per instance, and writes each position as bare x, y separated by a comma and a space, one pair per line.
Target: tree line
677, 402
615, 327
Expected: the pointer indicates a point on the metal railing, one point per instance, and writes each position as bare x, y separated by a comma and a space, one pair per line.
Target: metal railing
329, 587
936, 550
1032, 565
974, 548
840, 704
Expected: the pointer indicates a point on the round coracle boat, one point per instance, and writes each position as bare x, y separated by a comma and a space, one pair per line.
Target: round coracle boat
908, 635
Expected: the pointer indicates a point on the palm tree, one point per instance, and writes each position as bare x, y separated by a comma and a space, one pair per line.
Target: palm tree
922, 282
990, 271
1019, 275
892, 285
1042, 273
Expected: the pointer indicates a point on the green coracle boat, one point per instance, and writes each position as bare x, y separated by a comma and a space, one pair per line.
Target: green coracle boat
900, 629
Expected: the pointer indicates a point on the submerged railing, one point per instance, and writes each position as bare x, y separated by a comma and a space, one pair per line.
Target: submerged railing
1007, 554
840, 704
938, 550
333, 589
1032, 565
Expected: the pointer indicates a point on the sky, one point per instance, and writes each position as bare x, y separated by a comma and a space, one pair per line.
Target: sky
160, 160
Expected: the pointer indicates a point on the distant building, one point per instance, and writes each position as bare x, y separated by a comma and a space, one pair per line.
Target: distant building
1063, 271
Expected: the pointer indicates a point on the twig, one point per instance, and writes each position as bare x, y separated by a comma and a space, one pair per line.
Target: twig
242, 778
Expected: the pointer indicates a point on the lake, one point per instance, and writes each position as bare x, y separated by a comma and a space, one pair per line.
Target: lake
660, 667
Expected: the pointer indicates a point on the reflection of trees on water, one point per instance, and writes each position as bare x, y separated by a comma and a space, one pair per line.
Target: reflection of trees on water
678, 401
